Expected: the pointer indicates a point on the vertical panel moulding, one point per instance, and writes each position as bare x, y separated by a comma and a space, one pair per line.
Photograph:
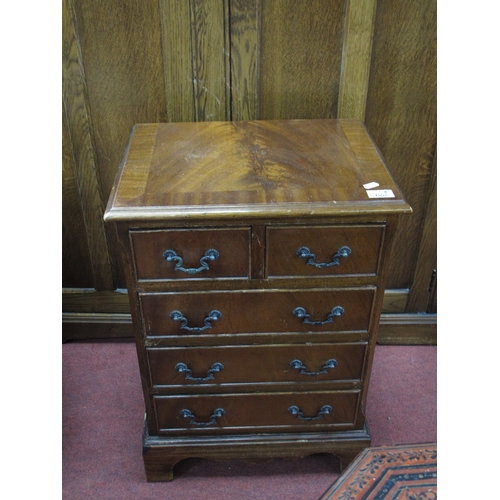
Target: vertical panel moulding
421, 290
243, 24
227, 58
356, 55
121, 53
175, 20
208, 29
76, 106
401, 114
76, 263
300, 55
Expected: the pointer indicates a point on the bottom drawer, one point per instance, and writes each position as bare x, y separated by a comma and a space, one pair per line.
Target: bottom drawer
242, 413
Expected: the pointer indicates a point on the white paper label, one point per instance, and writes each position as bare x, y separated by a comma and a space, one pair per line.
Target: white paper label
380, 193
371, 185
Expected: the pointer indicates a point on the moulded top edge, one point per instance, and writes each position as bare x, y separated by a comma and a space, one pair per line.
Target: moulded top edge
330, 209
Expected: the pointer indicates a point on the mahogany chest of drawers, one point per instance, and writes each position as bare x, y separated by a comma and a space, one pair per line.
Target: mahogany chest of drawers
255, 257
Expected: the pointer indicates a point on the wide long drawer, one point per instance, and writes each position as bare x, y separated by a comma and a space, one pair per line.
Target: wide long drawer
220, 413
195, 313
261, 364
179, 254
323, 251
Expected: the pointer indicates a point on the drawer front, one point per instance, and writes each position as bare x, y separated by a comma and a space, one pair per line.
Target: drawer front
256, 311
191, 254
323, 251
255, 364
259, 412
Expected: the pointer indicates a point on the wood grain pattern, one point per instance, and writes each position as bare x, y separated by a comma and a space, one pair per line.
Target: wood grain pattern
175, 18
125, 82
81, 135
88, 300
120, 44
300, 58
208, 20
401, 113
244, 24
420, 293
76, 264
395, 300
356, 54
220, 169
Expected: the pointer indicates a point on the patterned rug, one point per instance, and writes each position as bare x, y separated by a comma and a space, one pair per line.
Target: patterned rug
404, 472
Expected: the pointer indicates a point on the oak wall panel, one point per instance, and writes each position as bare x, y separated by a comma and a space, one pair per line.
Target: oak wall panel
244, 27
127, 62
195, 39
300, 58
80, 138
356, 58
210, 60
120, 43
120, 48
76, 264
177, 53
401, 114
419, 298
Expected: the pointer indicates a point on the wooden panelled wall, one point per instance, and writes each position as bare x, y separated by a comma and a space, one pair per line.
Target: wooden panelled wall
129, 61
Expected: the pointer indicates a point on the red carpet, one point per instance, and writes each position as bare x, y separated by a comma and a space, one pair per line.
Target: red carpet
102, 425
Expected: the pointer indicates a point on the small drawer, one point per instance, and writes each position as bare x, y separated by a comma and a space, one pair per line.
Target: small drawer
180, 254
260, 364
263, 311
323, 251
259, 412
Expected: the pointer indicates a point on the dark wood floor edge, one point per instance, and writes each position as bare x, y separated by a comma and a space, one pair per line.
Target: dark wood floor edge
401, 329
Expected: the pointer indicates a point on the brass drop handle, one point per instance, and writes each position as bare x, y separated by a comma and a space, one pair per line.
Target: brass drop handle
212, 316
218, 413
301, 313
305, 253
329, 365
295, 411
183, 368
171, 256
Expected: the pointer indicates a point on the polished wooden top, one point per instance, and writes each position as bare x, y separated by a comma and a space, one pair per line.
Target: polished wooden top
285, 168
